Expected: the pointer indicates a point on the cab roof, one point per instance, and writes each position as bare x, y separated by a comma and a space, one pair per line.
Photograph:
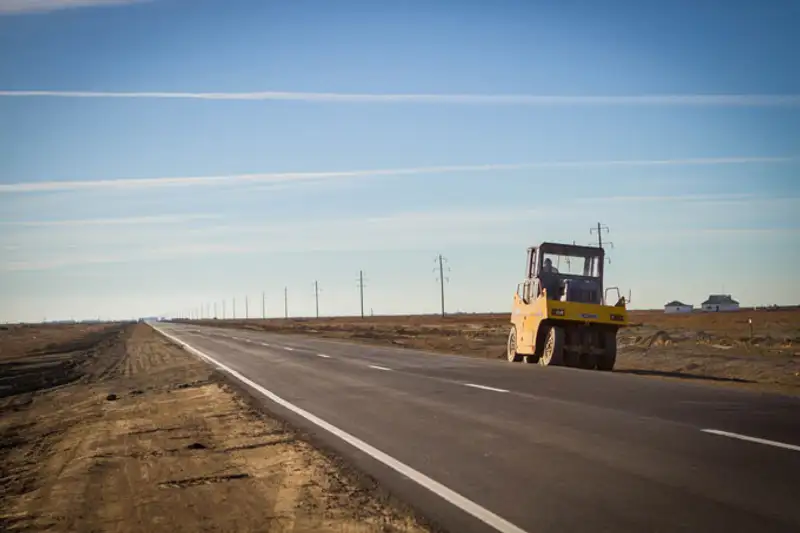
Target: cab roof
571, 249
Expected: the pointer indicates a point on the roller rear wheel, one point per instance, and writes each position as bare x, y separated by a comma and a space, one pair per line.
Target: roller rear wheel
608, 358
553, 353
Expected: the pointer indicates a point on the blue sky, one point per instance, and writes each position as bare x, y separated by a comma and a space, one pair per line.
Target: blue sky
160, 155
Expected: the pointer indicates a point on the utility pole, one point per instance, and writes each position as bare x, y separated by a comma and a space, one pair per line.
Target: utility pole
441, 260
234, 307
223, 309
600, 228
246, 309
263, 305
215, 310
441, 285
286, 302
316, 296
361, 290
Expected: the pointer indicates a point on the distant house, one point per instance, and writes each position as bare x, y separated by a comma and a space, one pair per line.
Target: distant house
678, 307
720, 302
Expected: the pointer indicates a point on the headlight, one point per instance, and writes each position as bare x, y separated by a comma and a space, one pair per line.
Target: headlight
618, 318
557, 312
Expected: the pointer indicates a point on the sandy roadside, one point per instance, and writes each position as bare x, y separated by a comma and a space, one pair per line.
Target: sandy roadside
150, 439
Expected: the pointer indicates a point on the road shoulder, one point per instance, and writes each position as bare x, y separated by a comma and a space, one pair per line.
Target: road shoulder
158, 441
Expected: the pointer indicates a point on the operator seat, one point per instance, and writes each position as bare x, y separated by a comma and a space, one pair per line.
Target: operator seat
552, 283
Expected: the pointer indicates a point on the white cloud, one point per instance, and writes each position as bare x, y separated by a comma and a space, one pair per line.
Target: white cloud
37, 6
155, 219
53, 244
749, 231
399, 231
738, 199
278, 177
739, 100
669, 198
412, 230
682, 236
149, 254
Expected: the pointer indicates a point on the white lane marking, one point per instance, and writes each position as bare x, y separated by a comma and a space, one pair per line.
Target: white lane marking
265, 344
484, 387
753, 439
288, 348
376, 367
323, 355
481, 513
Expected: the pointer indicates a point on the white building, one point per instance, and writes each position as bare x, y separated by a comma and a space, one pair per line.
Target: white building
720, 302
678, 307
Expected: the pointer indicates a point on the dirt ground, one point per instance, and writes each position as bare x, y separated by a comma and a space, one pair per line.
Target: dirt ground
111, 428
713, 348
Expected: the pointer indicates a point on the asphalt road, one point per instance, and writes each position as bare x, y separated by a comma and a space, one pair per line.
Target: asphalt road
492, 446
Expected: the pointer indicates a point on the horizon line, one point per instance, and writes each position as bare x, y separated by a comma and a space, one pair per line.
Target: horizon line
698, 99
45, 186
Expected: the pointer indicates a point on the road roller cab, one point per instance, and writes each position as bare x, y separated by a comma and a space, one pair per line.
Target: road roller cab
560, 316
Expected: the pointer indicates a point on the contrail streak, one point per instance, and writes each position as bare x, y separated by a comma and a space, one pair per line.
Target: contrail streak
139, 183
736, 100
14, 7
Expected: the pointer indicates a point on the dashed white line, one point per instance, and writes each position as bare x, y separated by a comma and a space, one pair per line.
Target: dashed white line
376, 367
481, 513
753, 439
288, 348
484, 387
265, 344
323, 355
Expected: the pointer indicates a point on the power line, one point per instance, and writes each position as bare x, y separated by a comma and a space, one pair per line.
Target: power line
441, 278
600, 228
316, 296
361, 290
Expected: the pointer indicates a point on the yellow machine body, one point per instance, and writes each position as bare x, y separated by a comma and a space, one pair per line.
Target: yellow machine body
548, 329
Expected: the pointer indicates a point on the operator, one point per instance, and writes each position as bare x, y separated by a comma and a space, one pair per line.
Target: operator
548, 266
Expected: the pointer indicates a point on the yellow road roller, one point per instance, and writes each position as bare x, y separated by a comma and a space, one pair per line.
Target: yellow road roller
561, 316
